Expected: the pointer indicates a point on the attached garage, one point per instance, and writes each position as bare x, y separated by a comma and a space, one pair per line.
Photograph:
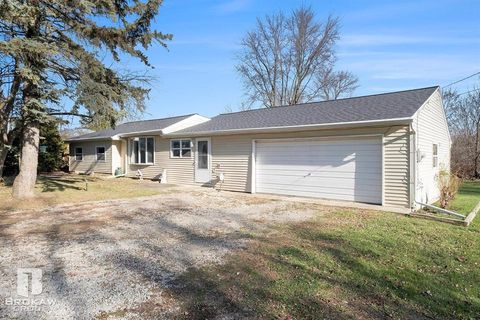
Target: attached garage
340, 168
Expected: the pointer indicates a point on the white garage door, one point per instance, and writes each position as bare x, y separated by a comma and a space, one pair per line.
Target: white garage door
341, 169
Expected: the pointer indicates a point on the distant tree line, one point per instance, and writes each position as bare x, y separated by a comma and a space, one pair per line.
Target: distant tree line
463, 115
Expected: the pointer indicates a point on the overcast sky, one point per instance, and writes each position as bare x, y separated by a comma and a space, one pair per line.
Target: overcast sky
389, 45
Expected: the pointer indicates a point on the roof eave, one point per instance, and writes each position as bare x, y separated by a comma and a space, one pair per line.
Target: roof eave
368, 123
136, 133
120, 135
86, 139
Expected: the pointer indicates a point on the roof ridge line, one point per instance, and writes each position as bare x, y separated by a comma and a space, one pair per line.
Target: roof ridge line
173, 117
319, 102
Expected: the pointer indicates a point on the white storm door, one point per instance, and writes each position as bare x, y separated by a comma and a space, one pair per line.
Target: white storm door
203, 170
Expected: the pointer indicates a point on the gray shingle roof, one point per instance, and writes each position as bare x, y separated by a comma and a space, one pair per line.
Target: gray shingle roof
395, 105
130, 127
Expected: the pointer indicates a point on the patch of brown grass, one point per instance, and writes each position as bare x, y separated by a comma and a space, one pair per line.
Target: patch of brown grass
71, 188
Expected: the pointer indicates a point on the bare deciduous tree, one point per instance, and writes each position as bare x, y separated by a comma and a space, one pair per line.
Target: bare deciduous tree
336, 84
288, 60
463, 115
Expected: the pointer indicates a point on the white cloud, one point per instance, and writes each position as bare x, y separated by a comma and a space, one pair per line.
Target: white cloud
437, 68
225, 43
390, 9
395, 39
232, 6
200, 67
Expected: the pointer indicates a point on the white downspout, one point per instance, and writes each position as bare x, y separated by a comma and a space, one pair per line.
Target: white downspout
413, 168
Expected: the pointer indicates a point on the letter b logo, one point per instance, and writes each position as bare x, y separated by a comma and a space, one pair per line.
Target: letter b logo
26, 276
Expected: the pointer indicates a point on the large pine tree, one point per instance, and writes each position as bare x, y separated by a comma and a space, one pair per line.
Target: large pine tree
56, 50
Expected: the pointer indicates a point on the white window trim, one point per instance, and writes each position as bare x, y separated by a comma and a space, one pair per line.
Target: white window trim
435, 156
180, 156
75, 153
130, 146
104, 153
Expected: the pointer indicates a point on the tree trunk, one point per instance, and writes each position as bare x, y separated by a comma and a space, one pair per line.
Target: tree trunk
3, 144
24, 184
3, 156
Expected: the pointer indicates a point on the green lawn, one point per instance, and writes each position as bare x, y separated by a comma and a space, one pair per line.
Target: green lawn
467, 198
70, 188
350, 264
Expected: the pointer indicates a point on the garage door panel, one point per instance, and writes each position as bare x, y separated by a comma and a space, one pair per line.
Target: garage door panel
341, 189
323, 195
347, 169
322, 167
318, 161
324, 141
331, 150
340, 176
317, 175
342, 183
321, 157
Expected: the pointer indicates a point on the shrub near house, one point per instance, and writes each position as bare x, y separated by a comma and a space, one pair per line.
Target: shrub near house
51, 151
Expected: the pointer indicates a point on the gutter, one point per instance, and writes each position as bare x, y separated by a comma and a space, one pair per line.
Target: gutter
295, 128
87, 139
413, 167
117, 136
305, 127
353, 124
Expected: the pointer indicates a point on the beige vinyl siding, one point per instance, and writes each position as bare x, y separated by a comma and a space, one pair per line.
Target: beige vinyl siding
89, 163
232, 156
179, 170
396, 166
431, 128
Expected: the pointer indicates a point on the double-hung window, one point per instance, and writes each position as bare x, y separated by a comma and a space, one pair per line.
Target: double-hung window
100, 153
142, 150
181, 148
435, 155
78, 153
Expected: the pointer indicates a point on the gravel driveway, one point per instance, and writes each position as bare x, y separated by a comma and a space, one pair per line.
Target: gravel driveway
114, 259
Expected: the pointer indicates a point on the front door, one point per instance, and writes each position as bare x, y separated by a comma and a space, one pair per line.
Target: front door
202, 160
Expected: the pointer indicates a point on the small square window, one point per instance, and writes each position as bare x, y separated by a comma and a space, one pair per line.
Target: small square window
78, 153
100, 152
435, 155
181, 148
